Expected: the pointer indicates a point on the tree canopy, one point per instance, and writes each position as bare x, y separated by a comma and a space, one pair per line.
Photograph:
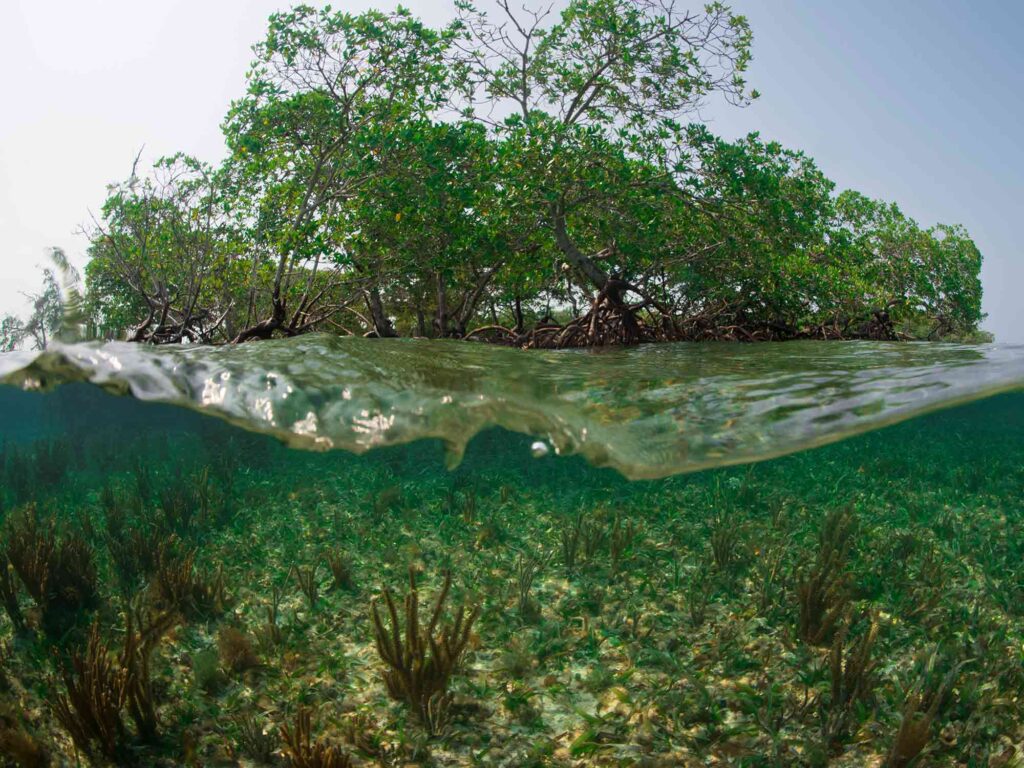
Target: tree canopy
521, 176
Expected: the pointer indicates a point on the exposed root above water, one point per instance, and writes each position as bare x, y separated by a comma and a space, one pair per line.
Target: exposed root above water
611, 321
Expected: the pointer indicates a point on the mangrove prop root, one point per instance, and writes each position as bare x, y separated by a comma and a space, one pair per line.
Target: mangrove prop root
611, 321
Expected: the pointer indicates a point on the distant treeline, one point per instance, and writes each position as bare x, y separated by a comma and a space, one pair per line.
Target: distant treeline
525, 177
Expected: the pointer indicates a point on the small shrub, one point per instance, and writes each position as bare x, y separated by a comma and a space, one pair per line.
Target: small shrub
58, 572
236, 651
341, 570
421, 659
17, 743
309, 584
823, 591
178, 585
304, 752
921, 706
254, 741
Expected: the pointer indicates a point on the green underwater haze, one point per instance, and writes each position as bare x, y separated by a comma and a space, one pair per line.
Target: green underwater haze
180, 590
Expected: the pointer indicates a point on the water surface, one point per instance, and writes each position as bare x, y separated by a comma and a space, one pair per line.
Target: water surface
647, 411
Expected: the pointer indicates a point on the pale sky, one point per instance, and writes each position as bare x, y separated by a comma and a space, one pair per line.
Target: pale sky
918, 101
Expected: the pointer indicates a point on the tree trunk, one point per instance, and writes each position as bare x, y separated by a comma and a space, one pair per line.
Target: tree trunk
381, 324
441, 321
467, 308
585, 264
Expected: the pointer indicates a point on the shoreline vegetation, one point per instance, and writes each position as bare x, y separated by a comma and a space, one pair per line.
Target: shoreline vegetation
525, 177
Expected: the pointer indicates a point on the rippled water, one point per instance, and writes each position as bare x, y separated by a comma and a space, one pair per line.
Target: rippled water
648, 412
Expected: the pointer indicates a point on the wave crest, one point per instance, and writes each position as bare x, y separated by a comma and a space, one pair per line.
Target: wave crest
646, 411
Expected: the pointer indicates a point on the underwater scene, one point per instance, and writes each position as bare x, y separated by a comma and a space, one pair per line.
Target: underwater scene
326, 552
